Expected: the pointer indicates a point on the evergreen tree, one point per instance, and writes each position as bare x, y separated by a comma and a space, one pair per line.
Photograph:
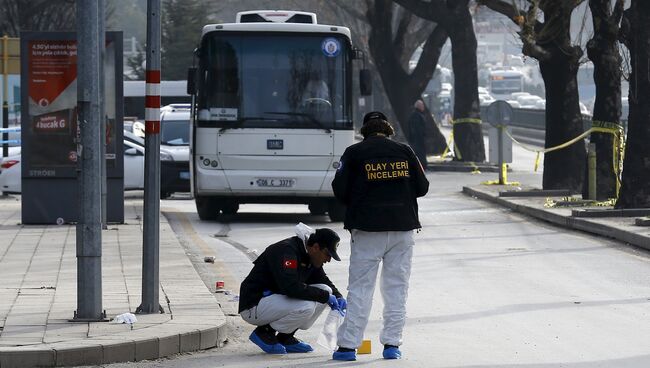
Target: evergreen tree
182, 22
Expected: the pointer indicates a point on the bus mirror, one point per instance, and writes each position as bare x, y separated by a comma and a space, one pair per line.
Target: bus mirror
191, 81
365, 82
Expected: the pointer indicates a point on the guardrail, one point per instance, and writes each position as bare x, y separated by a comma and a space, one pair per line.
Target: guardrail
536, 119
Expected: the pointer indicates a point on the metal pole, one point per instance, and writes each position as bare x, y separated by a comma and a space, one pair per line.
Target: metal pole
591, 158
5, 105
89, 229
150, 249
101, 26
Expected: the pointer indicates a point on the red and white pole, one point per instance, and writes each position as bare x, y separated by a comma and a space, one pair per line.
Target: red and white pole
152, 103
151, 211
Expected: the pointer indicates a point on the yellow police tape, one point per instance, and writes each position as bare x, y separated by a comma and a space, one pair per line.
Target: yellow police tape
451, 139
618, 147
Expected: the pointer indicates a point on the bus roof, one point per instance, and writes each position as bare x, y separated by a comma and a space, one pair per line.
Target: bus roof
276, 27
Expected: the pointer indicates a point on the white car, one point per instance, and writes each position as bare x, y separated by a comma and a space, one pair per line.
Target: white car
513, 103
515, 95
10, 173
485, 99
528, 102
174, 149
10, 167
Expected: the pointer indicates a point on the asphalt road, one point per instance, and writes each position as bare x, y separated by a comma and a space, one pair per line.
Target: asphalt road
489, 288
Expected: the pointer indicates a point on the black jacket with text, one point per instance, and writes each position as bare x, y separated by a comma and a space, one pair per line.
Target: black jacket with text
379, 180
284, 268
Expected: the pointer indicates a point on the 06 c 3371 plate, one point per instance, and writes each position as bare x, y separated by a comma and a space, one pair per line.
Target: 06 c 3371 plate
275, 182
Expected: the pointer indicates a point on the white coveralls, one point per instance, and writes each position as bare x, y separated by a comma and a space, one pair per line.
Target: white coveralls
285, 314
395, 250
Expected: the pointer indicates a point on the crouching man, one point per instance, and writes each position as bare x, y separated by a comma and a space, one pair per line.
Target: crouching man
287, 289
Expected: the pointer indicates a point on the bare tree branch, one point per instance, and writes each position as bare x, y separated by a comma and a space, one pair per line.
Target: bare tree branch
347, 7
432, 10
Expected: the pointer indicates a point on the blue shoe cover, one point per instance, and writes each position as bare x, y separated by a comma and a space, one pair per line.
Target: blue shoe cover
345, 355
301, 347
267, 348
392, 353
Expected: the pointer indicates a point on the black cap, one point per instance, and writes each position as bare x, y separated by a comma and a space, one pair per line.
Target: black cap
374, 115
326, 238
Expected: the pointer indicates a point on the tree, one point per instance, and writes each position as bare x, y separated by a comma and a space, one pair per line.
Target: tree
393, 36
455, 18
137, 64
603, 51
635, 33
182, 22
550, 43
36, 15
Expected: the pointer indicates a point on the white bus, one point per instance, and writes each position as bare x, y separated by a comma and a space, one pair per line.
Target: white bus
502, 83
272, 112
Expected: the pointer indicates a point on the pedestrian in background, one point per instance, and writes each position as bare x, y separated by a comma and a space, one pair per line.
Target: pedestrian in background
379, 181
287, 289
416, 131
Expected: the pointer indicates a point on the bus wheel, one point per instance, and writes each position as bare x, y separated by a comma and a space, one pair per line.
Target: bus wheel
336, 211
230, 208
317, 208
207, 208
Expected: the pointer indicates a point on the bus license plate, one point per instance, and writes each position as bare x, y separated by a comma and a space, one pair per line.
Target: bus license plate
276, 182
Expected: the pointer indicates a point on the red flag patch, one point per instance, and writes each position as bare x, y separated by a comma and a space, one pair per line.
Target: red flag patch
290, 263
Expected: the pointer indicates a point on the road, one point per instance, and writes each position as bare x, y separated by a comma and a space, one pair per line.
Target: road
489, 288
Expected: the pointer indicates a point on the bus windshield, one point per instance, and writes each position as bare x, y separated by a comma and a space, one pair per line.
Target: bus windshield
274, 80
505, 86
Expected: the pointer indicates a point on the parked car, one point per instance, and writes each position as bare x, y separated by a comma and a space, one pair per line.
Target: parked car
528, 102
175, 142
10, 174
10, 169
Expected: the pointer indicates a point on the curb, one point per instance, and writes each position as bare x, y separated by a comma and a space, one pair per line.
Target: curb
115, 348
581, 224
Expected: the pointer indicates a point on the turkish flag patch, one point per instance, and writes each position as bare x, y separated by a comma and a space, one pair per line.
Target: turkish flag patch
290, 263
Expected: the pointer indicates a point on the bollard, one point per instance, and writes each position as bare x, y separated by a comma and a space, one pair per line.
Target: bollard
591, 159
503, 170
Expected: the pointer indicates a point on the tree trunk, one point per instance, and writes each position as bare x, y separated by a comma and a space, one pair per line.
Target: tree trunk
402, 88
602, 50
635, 189
468, 134
563, 168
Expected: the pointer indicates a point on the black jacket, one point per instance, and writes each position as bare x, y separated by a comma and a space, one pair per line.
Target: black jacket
284, 268
416, 128
379, 180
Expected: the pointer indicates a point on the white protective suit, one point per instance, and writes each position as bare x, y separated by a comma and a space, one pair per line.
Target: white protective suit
394, 250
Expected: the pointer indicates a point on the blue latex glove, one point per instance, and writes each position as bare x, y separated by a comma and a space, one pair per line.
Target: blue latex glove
343, 304
333, 303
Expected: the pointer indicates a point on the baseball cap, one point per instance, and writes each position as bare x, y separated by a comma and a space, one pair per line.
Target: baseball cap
326, 238
374, 115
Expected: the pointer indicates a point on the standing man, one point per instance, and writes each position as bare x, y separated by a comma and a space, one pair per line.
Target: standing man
378, 180
287, 289
416, 127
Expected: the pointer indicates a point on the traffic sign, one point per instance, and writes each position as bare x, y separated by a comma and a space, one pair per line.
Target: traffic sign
499, 113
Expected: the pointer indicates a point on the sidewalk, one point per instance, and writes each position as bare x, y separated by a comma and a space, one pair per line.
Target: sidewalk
610, 223
39, 287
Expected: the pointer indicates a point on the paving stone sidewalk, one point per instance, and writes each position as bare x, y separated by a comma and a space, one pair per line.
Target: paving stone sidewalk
38, 296
611, 225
